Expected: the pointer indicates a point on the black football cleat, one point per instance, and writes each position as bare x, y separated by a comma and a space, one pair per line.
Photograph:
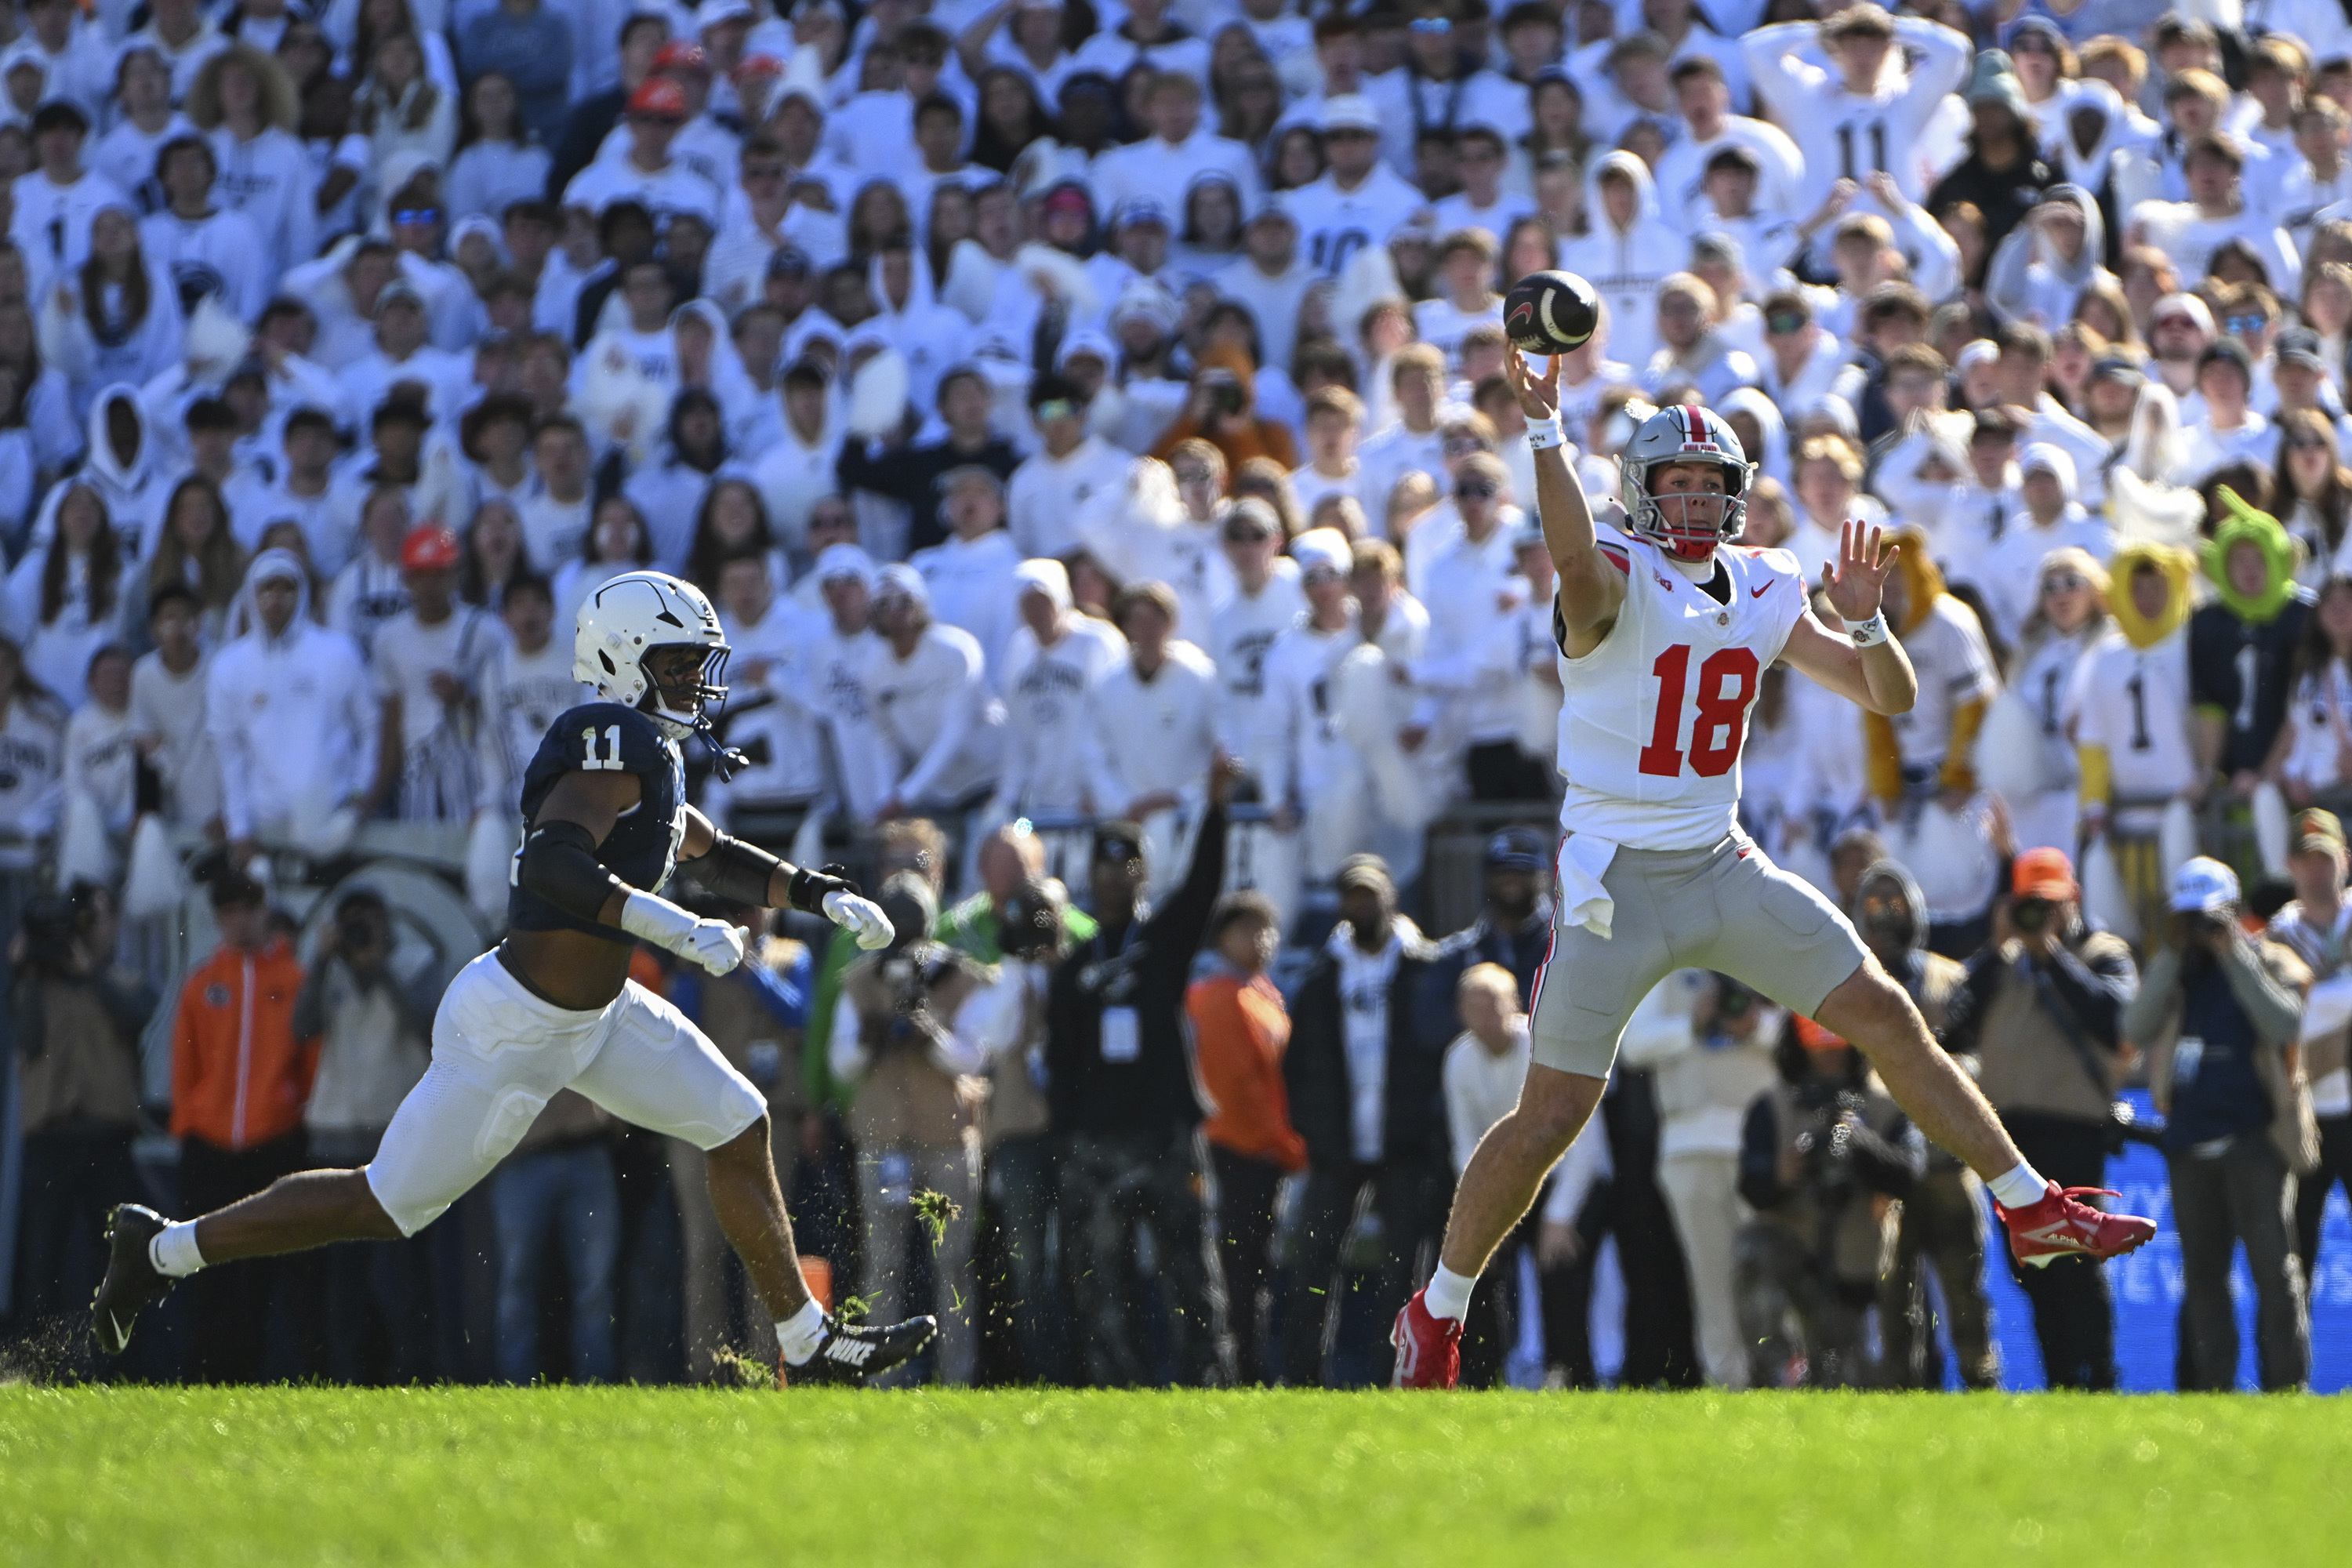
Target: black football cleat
131, 1283
860, 1352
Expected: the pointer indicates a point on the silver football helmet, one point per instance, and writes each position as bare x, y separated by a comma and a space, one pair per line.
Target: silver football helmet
1685, 524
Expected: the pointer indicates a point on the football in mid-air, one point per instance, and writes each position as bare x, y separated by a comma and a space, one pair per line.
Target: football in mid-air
1550, 313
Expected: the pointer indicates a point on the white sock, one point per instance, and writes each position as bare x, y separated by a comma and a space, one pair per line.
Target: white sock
174, 1252
800, 1335
1448, 1295
2022, 1188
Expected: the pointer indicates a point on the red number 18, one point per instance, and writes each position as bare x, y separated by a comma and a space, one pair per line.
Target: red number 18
1726, 682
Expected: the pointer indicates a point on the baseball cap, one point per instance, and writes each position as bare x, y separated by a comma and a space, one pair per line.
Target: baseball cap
2042, 874
683, 53
1813, 1038
660, 98
2041, 457
901, 580
2317, 829
1252, 518
963, 471
1516, 849
2119, 367
2230, 350
1320, 550
1364, 871
1350, 111
789, 262
2188, 305
2203, 885
836, 562
429, 547
1139, 209
393, 292
2300, 345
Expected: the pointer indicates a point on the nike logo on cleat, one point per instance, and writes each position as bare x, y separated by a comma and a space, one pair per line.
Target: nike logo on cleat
850, 1353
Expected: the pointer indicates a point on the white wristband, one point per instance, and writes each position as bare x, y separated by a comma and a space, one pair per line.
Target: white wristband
656, 920
1544, 435
1869, 633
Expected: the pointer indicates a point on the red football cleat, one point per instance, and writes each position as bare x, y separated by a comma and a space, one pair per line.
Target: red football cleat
1428, 1347
2062, 1226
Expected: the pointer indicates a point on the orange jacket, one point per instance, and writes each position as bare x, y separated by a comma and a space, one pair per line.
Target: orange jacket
1240, 1030
239, 1075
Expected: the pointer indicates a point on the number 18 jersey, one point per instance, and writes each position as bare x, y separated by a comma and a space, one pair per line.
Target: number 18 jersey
641, 848
1652, 721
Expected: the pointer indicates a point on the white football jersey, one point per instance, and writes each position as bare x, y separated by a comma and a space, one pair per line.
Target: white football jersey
2134, 702
1652, 721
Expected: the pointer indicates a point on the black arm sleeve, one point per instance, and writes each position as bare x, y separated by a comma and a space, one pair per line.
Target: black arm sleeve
560, 865
737, 871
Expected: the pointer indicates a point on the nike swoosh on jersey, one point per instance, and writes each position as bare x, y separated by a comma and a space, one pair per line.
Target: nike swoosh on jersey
1759, 592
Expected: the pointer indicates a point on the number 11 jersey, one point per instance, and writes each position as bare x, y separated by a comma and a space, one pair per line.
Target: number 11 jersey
641, 848
1652, 721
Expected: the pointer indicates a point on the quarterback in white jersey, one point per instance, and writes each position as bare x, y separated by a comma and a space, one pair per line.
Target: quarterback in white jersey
1663, 636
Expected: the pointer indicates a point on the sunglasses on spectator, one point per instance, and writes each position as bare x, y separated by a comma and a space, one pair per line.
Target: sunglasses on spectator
1431, 25
1474, 489
1783, 322
2239, 326
1246, 534
416, 215
1194, 477
2064, 582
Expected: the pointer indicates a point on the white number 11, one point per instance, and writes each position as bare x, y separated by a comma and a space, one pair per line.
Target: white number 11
611, 764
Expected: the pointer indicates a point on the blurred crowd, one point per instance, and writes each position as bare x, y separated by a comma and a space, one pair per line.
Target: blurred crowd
1090, 420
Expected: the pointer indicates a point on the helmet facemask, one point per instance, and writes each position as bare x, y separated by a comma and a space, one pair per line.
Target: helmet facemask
1689, 525
689, 703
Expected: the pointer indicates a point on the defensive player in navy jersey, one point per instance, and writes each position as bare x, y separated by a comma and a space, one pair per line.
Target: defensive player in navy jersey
554, 1006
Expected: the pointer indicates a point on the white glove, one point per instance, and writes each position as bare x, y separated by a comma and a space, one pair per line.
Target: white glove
713, 945
861, 918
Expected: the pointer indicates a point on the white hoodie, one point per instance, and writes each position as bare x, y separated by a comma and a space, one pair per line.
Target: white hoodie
1626, 267
307, 682
1045, 714
134, 493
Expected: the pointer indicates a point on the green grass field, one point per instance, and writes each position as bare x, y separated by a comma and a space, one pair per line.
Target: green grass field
645, 1477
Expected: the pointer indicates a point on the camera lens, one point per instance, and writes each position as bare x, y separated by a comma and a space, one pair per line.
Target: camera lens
2030, 914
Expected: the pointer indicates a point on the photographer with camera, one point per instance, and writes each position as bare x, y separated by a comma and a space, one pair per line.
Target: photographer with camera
76, 1040
899, 1038
1028, 930
1943, 1219
1819, 1153
374, 1031
2219, 1012
2041, 1008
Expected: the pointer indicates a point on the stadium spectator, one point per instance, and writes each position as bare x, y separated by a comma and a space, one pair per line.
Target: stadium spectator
1943, 1225
1121, 1090
240, 1078
1367, 1096
1240, 1031
1818, 1151
901, 1043
2040, 1009
76, 1022
374, 1030
1513, 929
556, 1194
1707, 1041
2218, 1012
1481, 1074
